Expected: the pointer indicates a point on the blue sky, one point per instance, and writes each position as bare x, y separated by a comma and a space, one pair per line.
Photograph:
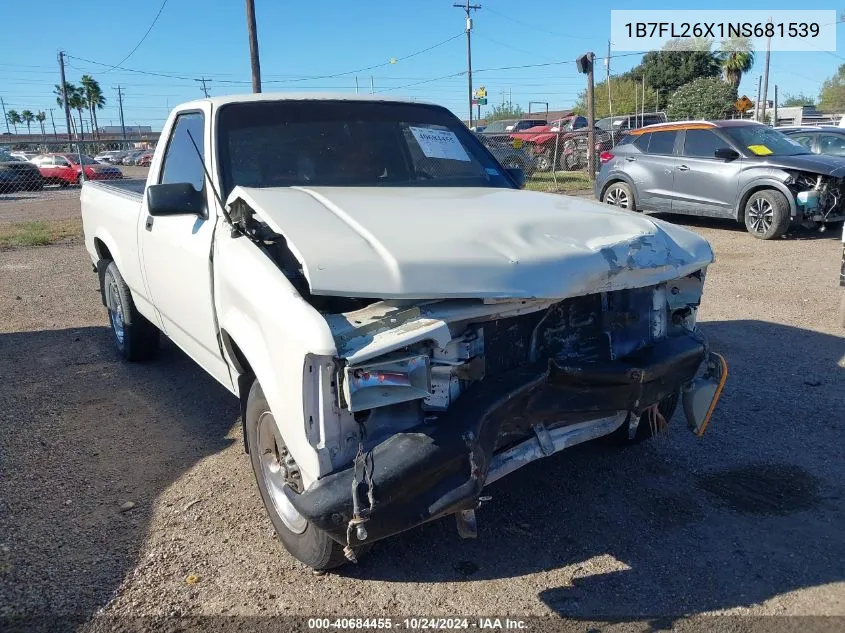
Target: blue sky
198, 38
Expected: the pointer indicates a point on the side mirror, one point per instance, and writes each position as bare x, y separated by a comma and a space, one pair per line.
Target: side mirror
179, 198
517, 175
726, 153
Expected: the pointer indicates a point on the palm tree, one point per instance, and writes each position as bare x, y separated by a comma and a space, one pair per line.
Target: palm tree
93, 97
736, 58
76, 101
27, 117
14, 118
41, 117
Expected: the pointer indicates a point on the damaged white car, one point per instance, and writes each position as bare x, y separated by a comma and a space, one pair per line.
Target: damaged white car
401, 322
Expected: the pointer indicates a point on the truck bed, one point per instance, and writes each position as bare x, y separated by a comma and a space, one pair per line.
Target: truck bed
129, 187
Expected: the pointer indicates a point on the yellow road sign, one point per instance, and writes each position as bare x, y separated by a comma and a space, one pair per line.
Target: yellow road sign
744, 103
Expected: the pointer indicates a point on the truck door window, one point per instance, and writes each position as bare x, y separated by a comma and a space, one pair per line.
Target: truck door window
832, 144
181, 162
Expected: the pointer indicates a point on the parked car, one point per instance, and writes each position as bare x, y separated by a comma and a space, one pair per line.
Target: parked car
441, 327
65, 169
548, 143
24, 156
501, 130
509, 156
110, 157
145, 159
826, 140
735, 169
18, 175
132, 156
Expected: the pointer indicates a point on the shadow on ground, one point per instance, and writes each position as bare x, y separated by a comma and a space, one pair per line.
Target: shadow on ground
82, 434
680, 524
677, 525
832, 231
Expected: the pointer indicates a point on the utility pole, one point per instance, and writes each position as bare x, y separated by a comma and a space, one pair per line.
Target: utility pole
356, 84
205, 90
757, 100
5, 118
775, 108
120, 104
253, 46
53, 121
585, 64
607, 77
467, 8
372, 86
766, 74
64, 93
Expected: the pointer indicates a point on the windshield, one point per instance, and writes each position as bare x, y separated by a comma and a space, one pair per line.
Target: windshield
86, 160
759, 140
349, 143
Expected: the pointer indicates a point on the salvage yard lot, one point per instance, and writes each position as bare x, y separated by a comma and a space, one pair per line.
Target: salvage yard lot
747, 520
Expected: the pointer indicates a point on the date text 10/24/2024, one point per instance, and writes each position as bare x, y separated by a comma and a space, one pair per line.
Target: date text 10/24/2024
418, 623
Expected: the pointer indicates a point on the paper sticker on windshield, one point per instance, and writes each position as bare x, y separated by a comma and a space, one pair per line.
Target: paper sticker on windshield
439, 143
760, 150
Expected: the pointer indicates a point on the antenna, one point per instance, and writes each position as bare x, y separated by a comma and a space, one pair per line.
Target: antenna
208, 178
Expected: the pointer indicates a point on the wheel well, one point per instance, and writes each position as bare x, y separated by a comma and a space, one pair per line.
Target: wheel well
613, 181
740, 209
245, 376
103, 251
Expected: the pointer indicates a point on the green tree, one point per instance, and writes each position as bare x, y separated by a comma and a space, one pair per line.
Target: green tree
41, 117
832, 93
504, 111
736, 58
94, 98
626, 95
27, 117
77, 102
14, 118
677, 64
704, 98
800, 99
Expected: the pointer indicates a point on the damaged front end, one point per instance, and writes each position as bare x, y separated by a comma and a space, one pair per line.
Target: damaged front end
429, 402
818, 198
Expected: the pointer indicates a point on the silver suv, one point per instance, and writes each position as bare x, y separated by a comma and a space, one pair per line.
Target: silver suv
734, 169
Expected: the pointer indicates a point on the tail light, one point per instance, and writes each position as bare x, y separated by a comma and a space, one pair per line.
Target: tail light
605, 157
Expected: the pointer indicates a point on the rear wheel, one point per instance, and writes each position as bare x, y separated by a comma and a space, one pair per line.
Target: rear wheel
545, 161
619, 194
136, 338
275, 469
767, 214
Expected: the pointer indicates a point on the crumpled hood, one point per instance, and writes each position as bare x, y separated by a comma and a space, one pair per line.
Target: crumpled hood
815, 163
445, 242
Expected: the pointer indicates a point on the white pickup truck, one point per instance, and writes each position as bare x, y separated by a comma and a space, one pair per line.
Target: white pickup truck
401, 322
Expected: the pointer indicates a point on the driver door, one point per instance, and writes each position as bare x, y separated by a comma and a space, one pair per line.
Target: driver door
176, 251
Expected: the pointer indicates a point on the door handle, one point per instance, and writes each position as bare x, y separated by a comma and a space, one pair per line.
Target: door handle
630, 159
683, 168
149, 223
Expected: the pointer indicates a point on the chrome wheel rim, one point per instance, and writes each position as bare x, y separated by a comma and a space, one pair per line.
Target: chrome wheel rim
115, 308
761, 215
279, 470
618, 197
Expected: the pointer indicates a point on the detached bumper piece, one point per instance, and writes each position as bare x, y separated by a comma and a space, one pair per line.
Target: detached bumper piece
440, 467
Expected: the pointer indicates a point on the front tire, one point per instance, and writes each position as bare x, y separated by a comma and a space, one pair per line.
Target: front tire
619, 194
274, 470
135, 337
767, 214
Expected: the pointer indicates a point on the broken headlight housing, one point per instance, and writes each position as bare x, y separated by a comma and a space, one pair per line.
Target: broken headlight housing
388, 381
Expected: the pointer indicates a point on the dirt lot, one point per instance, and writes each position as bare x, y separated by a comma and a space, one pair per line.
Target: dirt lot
748, 520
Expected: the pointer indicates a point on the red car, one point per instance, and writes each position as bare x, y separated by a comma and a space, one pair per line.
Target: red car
543, 140
144, 160
64, 169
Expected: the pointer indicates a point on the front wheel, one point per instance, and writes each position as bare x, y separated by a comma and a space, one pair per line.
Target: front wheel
275, 469
619, 194
767, 214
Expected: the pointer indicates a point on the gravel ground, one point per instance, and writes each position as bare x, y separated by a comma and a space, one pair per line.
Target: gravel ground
747, 520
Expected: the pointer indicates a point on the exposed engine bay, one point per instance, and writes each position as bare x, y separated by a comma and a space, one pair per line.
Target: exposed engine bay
818, 198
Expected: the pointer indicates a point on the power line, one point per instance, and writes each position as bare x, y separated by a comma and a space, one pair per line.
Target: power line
536, 28
117, 65
204, 89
